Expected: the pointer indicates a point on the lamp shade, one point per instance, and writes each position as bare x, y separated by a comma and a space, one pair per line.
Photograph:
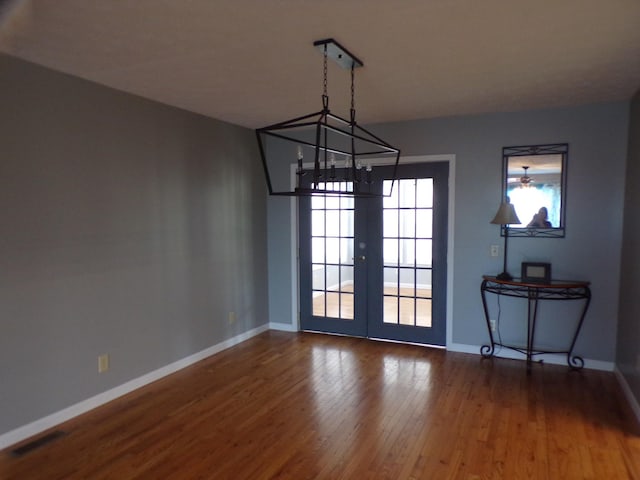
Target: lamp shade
506, 215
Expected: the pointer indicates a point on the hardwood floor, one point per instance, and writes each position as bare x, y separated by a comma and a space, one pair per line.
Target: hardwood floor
305, 406
335, 305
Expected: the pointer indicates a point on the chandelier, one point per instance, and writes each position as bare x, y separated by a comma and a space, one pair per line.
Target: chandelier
525, 180
338, 152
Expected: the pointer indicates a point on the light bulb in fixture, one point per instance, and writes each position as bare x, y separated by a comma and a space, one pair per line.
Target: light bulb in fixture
332, 166
300, 170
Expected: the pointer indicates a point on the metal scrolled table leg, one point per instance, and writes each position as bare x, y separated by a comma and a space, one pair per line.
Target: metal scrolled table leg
574, 361
486, 351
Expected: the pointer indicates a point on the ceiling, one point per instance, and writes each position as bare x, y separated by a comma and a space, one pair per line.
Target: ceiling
252, 62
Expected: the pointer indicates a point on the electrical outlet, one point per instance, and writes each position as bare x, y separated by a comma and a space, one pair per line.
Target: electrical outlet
492, 325
103, 363
495, 250
232, 317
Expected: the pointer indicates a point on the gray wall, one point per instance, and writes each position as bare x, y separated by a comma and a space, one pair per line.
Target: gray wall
628, 354
597, 137
128, 228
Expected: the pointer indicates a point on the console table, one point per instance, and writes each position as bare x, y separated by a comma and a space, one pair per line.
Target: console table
533, 292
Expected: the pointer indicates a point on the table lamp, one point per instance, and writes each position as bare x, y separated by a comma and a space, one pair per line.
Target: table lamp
506, 215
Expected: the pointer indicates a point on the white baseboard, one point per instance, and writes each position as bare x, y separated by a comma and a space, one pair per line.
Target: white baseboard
552, 358
409, 285
14, 436
283, 327
631, 398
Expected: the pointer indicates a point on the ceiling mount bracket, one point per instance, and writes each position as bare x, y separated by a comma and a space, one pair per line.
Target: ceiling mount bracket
338, 53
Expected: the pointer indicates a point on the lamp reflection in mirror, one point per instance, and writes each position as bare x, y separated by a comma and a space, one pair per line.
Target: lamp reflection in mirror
505, 216
525, 180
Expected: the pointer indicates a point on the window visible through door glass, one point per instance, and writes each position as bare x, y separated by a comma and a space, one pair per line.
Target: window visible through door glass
332, 252
407, 252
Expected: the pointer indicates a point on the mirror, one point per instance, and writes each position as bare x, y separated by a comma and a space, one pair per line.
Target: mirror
534, 179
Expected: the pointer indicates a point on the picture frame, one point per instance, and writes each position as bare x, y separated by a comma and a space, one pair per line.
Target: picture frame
536, 272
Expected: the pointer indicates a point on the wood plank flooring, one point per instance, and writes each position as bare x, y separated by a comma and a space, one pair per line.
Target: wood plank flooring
339, 305
309, 406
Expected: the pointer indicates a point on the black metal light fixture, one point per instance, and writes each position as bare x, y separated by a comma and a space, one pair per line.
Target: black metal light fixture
340, 149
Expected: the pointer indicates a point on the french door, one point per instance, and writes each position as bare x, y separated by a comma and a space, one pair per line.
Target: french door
376, 266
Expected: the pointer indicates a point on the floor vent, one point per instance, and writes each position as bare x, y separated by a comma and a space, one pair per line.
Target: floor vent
37, 443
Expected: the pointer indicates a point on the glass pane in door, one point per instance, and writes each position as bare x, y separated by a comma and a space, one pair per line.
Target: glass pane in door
407, 252
332, 247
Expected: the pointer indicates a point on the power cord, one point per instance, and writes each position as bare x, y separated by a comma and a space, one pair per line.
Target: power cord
497, 328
